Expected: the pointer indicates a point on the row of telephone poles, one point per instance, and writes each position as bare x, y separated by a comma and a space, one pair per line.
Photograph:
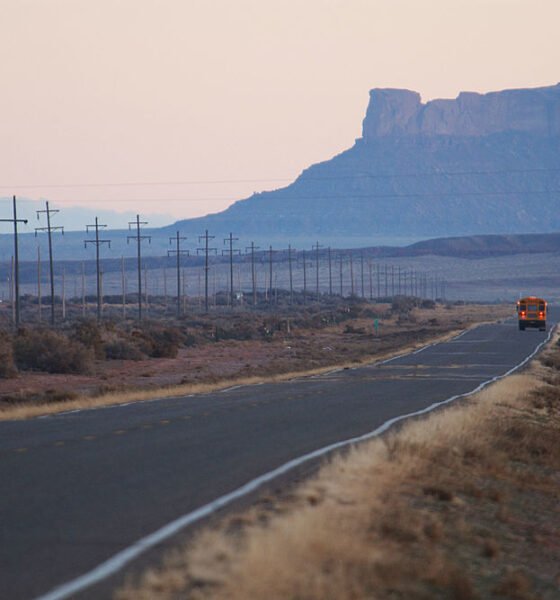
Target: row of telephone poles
418, 286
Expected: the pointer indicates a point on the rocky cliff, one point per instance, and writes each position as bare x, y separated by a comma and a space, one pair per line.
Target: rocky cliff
479, 164
401, 112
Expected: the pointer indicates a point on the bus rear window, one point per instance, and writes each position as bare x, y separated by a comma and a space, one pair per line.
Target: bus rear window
532, 308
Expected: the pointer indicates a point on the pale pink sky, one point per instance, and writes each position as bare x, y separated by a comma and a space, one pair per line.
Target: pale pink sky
128, 91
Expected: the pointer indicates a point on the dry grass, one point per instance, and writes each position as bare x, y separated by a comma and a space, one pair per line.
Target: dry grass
26, 409
460, 505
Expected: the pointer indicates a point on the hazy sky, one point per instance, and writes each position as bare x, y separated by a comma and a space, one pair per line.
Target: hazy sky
239, 94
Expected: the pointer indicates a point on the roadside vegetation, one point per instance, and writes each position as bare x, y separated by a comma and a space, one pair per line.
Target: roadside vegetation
461, 505
83, 363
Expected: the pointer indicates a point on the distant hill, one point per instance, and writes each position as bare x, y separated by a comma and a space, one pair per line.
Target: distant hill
483, 246
73, 218
482, 163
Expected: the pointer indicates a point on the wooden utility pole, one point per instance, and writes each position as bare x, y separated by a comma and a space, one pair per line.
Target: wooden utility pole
206, 249
330, 270
341, 283
351, 275
316, 248
123, 288
39, 304
252, 248
304, 278
139, 239
362, 272
290, 272
231, 251
178, 252
98, 243
15, 222
270, 252
49, 229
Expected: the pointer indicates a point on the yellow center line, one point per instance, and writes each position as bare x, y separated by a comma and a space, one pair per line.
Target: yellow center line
88, 437
165, 421
119, 431
20, 450
59, 444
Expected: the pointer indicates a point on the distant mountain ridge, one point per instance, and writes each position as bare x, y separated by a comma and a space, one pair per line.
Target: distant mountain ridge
479, 164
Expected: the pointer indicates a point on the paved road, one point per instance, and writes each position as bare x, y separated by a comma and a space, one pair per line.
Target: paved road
80, 487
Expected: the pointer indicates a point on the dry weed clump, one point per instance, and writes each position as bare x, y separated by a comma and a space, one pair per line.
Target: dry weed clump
51, 351
7, 365
460, 505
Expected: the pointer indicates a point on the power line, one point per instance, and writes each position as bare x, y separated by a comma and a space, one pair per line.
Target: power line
343, 196
276, 179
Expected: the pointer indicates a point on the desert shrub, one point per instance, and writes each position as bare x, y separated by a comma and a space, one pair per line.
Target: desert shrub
428, 304
51, 351
88, 333
122, 350
403, 304
236, 331
7, 365
158, 342
351, 329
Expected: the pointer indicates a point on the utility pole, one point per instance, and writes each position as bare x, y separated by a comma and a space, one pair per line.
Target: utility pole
291, 274
304, 278
386, 281
49, 229
341, 286
252, 247
15, 221
98, 243
270, 251
123, 288
370, 281
316, 248
231, 252
39, 304
139, 239
178, 252
83, 290
206, 251
351, 275
362, 271
330, 271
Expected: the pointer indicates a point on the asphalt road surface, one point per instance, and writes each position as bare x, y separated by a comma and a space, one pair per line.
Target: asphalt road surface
79, 488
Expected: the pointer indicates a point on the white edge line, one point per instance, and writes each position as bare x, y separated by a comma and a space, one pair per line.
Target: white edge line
234, 387
119, 560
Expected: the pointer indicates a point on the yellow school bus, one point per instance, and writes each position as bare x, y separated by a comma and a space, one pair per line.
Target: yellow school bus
531, 312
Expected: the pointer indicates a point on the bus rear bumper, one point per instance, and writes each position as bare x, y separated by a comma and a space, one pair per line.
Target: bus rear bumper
532, 323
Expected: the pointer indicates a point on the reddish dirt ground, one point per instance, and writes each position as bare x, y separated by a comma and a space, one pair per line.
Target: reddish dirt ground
228, 360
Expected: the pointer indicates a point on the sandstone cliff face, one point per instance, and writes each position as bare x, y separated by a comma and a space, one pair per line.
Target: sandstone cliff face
394, 112
479, 164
